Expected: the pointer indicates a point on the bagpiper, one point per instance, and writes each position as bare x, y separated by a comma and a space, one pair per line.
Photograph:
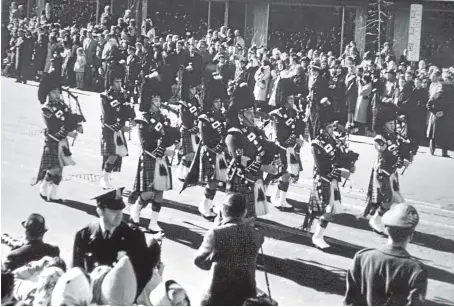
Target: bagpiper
116, 111
60, 123
289, 131
251, 153
333, 161
154, 174
189, 113
210, 165
394, 152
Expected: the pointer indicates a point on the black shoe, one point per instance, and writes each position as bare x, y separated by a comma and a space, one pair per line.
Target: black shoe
58, 201
131, 222
210, 218
148, 230
432, 147
43, 197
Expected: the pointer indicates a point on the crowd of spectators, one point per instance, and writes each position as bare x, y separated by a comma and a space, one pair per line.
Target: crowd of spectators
86, 55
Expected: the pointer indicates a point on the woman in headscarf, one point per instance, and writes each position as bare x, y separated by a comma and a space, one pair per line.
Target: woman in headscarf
72, 289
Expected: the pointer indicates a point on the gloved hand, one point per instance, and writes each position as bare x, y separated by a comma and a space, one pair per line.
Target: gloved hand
218, 149
253, 168
159, 152
194, 130
335, 174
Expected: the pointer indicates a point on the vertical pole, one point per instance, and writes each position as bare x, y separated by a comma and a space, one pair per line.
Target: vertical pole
28, 8
342, 30
111, 6
209, 14
379, 25
97, 11
226, 13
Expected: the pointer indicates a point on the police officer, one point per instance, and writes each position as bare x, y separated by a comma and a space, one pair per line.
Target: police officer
103, 242
389, 275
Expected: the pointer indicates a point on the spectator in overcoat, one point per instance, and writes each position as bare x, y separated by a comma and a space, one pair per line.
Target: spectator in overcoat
230, 251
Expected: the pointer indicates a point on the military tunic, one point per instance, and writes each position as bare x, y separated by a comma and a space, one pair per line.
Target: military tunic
250, 150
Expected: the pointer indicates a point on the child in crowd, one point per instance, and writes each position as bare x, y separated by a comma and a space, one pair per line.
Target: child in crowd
79, 68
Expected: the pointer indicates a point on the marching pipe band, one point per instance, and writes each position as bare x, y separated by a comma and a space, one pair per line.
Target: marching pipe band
222, 148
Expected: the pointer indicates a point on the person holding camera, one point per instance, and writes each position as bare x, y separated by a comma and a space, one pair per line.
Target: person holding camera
236, 245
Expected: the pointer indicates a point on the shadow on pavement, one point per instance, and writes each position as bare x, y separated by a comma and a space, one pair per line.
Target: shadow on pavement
422, 239
304, 273
433, 242
89, 209
182, 235
438, 301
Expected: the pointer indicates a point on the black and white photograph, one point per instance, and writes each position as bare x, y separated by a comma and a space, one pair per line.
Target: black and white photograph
227, 152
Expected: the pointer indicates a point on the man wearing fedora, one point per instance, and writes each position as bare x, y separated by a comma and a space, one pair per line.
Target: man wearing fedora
34, 247
389, 275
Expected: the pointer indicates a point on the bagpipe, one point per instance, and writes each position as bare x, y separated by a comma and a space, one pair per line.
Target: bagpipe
11, 242
75, 117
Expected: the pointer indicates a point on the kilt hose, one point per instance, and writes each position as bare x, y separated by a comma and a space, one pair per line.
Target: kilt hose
143, 181
49, 159
108, 148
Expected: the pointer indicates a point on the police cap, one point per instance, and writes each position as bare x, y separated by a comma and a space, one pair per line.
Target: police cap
401, 215
111, 200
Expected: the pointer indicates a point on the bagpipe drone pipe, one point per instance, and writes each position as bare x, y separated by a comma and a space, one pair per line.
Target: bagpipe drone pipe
75, 117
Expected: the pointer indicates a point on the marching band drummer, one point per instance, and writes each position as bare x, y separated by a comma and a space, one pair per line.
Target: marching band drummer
333, 161
251, 154
154, 174
60, 123
115, 112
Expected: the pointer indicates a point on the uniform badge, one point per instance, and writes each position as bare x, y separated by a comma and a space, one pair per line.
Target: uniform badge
239, 152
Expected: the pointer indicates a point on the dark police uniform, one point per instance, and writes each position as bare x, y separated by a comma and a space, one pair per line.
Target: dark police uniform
92, 247
388, 275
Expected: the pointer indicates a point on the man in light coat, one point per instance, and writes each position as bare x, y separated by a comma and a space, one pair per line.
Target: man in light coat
230, 251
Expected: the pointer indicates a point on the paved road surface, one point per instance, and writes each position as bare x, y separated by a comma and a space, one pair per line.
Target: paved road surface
299, 273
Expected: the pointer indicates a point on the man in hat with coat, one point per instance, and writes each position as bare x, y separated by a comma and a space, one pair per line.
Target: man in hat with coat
34, 247
320, 112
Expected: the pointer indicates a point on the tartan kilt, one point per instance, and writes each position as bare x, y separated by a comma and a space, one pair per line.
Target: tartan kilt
382, 190
143, 182
247, 190
49, 159
108, 146
319, 197
186, 141
207, 167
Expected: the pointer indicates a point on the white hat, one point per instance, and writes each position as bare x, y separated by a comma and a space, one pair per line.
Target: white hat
119, 287
72, 289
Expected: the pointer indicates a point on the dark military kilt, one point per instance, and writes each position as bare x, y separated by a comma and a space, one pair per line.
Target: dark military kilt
319, 197
107, 143
247, 190
381, 189
108, 148
186, 139
143, 181
207, 166
49, 159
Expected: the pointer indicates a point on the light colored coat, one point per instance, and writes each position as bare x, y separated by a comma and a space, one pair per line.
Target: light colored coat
362, 103
262, 80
